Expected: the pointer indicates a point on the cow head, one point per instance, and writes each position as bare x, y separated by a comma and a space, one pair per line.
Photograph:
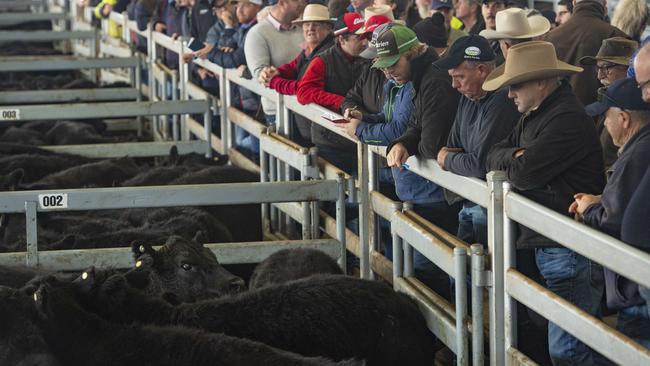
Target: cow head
184, 270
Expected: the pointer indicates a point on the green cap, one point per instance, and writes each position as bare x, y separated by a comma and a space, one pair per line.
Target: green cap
392, 44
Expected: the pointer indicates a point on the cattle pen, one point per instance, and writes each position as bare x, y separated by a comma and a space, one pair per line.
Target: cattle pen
292, 181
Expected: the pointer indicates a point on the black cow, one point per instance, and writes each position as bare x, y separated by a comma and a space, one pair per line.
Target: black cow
244, 221
21, 340
332, 316
59, 327
21, 135
292, 264
105, 173
185, 271
36, 166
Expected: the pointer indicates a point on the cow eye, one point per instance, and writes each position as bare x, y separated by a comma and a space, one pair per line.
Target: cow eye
186, 266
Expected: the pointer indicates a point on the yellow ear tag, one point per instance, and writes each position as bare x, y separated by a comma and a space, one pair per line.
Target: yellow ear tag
84, 276
138, 264
35, 297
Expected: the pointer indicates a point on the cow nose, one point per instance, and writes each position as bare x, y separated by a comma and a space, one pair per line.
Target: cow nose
237, 285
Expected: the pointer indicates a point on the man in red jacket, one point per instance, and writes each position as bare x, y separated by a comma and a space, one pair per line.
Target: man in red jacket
327, 79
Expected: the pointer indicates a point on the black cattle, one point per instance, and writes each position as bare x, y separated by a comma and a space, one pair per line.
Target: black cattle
105, 173
21, 340
18, 276
75, 133
185, 271
75, 337
244, 221
157, 176
337, 317
21, 135
36, 166
292, 264
8, 148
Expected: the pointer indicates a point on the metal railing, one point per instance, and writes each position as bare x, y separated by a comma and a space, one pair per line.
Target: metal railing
504, 284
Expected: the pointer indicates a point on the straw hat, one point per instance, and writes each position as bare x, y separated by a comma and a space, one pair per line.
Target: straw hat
315, 13
514, 23
528, 61
617, 50
371, 11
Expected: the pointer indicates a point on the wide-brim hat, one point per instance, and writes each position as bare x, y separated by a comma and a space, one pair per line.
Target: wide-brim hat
528, 61
617, 50
372, 11
514, 23
315, 13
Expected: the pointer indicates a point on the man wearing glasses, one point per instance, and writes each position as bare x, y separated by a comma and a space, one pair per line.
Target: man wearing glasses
611, 65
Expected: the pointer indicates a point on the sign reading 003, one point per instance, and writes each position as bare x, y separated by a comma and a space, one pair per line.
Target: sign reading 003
9, 114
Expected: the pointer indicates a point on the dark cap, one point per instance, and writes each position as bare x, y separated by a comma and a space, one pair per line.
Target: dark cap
432, 31
468, 48
623, 94
348, 23
494, 1
439, 4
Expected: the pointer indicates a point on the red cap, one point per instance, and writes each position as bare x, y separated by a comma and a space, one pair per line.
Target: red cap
373, 22
349, 23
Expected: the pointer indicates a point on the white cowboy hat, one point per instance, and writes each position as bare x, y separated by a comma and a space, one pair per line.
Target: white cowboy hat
371, 11
514, 23
315, 13
534, 60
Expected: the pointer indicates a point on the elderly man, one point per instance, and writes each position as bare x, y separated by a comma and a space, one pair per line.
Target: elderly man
611, 62
552, 154
582, 36
433, 110
514, 26
317, 31
628, 121
329, 76
482, 119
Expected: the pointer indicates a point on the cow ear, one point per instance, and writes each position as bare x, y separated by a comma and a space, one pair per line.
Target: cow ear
221, 159
200, 238
140, 248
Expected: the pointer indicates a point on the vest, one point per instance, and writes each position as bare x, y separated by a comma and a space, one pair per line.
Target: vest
340, 75
302, 124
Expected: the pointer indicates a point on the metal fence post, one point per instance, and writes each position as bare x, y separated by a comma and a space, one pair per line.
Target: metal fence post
227, 128
184, 78
495, 248
478, 268
364, 209
264, 169
460, 285
398, 258
176, 128
340, 222
408, 249
510, 261
306, 207
207, 126
315, 208
373, 185
31, 260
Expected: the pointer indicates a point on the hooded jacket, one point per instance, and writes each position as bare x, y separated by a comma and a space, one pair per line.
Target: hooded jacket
388, 125
434, 108
582, 35
562, 157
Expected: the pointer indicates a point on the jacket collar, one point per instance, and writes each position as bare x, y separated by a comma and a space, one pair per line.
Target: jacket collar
420, 65
645, 130
326, 43
589, 9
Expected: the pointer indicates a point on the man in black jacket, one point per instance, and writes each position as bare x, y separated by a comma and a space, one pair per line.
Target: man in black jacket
482, 119
434, 108
552, 154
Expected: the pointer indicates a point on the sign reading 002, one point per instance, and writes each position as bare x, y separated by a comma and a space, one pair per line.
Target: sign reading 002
9, 114
52, 201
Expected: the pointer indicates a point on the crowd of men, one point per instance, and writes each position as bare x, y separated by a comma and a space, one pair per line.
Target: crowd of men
557, 101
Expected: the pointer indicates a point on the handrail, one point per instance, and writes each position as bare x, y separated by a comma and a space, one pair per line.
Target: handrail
595, 245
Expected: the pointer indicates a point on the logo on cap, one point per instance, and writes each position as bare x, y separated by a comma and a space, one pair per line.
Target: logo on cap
472, 51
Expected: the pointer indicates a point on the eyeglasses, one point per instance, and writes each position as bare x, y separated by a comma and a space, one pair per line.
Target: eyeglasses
605, 68
642, 85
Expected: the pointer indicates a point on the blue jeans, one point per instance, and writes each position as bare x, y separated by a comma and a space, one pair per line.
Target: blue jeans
444, 216
634, 321
472, 224
248, 143
580, 281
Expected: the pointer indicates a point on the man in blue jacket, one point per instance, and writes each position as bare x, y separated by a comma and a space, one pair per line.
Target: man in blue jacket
627, 118
482, 119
